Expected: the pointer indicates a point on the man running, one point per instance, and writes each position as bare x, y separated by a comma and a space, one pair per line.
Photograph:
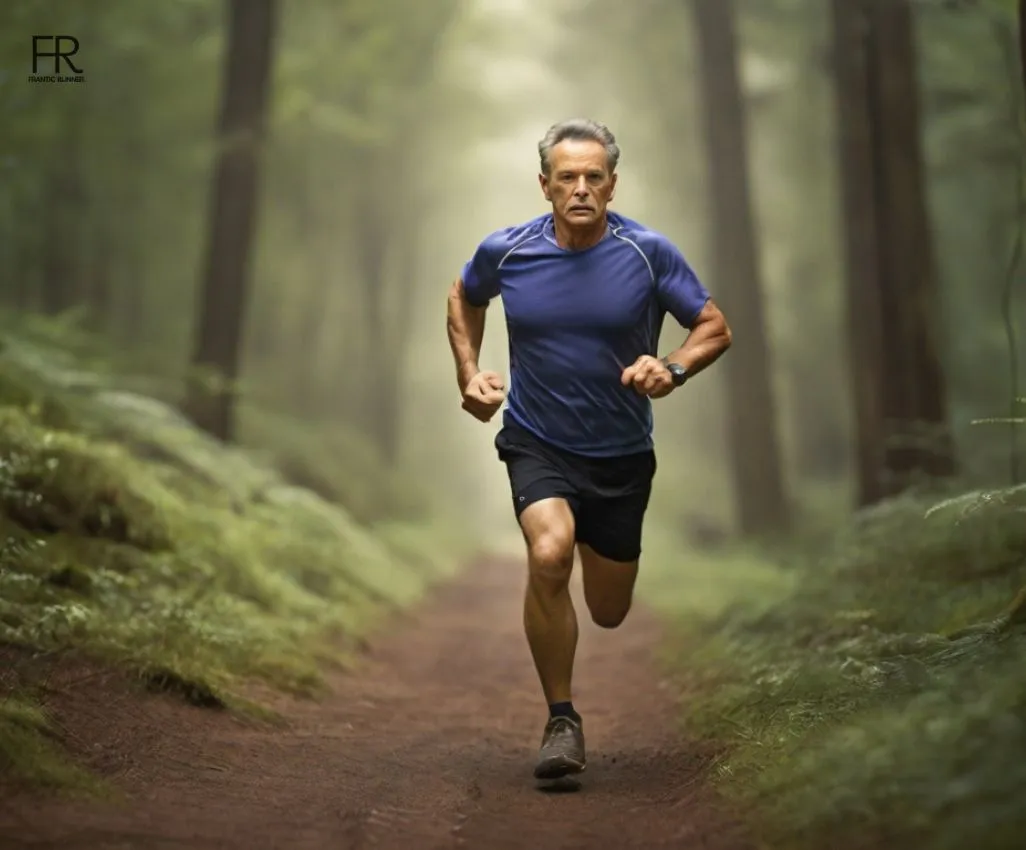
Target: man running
584, 292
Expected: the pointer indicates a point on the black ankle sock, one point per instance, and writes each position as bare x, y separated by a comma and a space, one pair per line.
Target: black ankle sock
564, 709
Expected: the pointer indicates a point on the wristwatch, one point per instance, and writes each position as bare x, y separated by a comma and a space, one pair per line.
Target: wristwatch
678, 372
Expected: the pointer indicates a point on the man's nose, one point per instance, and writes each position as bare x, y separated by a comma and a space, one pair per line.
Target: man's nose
581, 188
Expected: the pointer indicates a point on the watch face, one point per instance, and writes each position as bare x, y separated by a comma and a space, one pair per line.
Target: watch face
679, 373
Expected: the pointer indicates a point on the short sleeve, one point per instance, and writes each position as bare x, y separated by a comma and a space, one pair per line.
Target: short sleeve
678, 288
481, 274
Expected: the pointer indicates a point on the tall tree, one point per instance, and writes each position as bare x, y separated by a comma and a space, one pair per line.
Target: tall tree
859, 190
65, 194
763, 506
217, 347
368, 127
1022, 41
894, 297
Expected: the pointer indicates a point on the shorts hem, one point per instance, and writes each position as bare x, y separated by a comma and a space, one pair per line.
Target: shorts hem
617, 556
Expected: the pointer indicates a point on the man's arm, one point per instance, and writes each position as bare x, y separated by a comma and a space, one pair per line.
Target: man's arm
465, 324
709, 337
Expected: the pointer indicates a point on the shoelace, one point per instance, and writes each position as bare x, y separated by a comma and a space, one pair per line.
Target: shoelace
561, 724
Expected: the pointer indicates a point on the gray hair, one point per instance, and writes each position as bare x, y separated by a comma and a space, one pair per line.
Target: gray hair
583, 129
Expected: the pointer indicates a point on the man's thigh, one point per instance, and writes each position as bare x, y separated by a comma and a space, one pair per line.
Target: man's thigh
609, 542
611, 528
535, 476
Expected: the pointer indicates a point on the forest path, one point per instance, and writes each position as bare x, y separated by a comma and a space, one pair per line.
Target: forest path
428, 744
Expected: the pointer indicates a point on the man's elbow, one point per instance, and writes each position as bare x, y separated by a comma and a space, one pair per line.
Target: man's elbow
455, 292
715, 325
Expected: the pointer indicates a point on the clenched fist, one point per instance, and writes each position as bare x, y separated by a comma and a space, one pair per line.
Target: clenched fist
484, 395
648, 376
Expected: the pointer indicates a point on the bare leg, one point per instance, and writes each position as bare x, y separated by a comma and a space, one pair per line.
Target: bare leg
551, 627
550, 622
608, 587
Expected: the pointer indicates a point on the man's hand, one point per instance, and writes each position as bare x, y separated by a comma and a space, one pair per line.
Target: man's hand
484, 394
649, 377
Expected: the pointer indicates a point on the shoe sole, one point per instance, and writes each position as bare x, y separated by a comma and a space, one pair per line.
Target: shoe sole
558, 767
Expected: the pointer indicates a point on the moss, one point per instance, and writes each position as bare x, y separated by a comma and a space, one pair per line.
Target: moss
189, 584
18, 389
867, 687
53, 481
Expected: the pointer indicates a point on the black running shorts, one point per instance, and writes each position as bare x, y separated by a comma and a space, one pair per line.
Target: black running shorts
608, 496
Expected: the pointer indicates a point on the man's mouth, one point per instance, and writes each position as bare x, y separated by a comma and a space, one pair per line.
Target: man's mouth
580, 208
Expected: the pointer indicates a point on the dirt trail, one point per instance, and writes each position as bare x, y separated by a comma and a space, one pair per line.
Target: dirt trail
427, 746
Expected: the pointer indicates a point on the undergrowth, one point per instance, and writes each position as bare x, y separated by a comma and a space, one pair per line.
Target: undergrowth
29, 747
870, 690
128, 535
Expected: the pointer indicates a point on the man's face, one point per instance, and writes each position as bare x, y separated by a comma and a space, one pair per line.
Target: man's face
579, 183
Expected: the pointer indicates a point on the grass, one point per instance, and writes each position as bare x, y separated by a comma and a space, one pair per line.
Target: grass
28, 748
128, 535
867, 688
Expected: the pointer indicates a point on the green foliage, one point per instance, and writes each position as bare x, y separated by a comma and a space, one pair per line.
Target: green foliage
49, 363
867, 684
151, 563
938, 770
129, 535
337, 463
28, 747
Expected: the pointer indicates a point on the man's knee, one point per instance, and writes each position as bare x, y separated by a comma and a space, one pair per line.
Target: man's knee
548, 527
609, 616
551, 556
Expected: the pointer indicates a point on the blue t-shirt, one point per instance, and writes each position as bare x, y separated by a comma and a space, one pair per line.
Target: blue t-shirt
576, 320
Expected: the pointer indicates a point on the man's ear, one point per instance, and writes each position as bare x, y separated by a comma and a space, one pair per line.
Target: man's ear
543, 181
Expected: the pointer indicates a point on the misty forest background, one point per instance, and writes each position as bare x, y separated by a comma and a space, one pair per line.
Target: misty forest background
247, 218
855, 210
853, 205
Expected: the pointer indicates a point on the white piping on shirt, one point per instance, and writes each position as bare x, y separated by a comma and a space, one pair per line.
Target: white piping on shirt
615, 232
632, 243
519, 244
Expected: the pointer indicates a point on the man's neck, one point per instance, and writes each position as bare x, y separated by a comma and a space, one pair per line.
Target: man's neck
578, 238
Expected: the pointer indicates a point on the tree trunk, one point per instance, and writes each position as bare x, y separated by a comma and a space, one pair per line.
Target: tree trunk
386, 270
97, 280
313, 318
234, 203
22, 255
130, 307
751, 414
1022, 41
817, 415
862, 285
916, 397
401, 327
128, 315
893, 293
378, 398
60, 245
816, 418
63, 215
